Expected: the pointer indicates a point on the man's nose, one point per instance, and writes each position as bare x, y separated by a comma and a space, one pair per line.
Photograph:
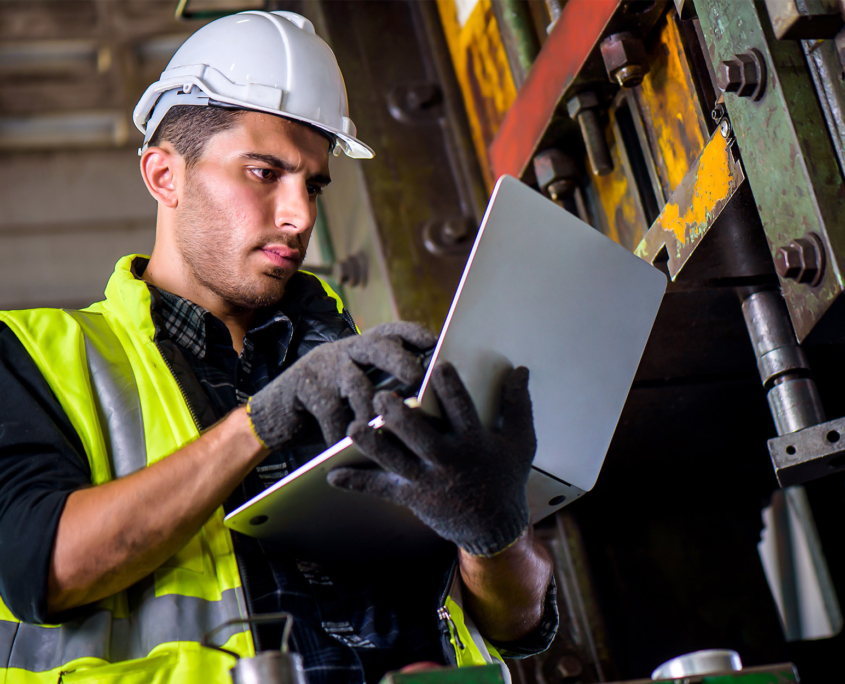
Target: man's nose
293, 206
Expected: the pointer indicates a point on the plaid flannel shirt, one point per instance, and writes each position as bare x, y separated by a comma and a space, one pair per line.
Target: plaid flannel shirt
351, 623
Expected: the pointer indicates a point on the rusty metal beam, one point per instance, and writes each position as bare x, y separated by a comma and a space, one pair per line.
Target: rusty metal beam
694, 206
569, 46
788, 156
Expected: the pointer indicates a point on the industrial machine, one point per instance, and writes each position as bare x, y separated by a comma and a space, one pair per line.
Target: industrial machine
705, 136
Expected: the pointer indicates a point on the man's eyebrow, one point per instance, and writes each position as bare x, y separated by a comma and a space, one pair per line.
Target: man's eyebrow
275, 162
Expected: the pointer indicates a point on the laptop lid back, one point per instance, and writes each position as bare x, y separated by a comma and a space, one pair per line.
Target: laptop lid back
543, 289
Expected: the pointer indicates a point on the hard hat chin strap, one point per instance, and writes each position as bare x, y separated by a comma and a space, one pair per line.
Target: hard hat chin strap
173, 98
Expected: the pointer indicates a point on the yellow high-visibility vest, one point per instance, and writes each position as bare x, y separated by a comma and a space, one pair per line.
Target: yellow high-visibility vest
103, 365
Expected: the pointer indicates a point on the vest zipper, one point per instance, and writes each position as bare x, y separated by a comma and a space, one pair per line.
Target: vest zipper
241, 568
181, 388
443, 613
346, 316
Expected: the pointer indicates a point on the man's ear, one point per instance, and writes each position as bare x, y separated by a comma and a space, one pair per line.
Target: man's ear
163, 171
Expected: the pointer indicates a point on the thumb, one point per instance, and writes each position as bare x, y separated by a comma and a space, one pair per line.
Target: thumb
517, 414
373, 481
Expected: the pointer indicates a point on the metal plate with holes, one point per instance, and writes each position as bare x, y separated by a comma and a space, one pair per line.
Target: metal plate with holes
809, 453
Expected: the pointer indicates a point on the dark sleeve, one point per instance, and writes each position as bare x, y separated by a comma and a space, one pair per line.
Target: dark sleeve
541, 638
42, 461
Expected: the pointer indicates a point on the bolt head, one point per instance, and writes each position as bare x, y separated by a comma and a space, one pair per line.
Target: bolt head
569, 666
560, 189
801, 260
729, 76
788, 262
580, 102
743, 74
622, 51
750, 75
630, 76
553, 165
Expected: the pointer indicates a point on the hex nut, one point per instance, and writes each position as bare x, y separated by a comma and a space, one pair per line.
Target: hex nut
750, 75
552, 166
729, 76
788, 262
624, 58
580, 102
569, 667
802, 260
743, 74
559, 189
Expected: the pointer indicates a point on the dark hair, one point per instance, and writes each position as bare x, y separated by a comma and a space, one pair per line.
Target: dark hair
189, 127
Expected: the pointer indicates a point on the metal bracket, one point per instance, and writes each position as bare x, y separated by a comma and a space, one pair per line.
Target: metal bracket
810, 453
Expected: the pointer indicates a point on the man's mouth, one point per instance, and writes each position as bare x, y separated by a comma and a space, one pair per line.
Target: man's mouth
282, 255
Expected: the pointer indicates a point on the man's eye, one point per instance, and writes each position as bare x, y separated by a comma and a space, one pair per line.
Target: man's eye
264, 174
315, 190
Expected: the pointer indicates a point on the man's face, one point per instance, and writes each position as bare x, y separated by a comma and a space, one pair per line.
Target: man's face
245, 217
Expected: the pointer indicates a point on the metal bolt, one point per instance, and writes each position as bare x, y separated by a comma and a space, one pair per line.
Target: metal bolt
582, 108
624, 58
729, 76
455, 231
352, 270
423, 95
569, 666
743, 74
802, 260
556, 172
451, 235
560, 189
725, 128
415, 102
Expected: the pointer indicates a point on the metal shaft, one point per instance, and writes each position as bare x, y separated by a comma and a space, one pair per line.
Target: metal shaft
783, 366
595, 142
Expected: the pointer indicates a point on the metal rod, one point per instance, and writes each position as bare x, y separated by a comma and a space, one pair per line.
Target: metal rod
793, 397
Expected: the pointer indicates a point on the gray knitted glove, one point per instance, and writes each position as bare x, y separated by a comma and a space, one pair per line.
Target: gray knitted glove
467, 484
322, 381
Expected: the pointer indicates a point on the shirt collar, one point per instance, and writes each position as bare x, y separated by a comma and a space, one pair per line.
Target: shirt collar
191, 326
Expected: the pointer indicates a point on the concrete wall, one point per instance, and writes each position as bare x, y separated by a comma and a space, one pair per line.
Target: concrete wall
65, 219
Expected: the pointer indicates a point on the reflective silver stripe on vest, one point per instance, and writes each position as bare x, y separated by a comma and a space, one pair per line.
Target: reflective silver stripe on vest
156, 621
115, 392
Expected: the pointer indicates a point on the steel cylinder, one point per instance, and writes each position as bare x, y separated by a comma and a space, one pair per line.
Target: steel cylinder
784, 370
795, 405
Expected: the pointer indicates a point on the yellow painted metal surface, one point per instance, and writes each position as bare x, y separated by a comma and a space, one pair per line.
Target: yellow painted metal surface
695, 206
623, 219
482, 70
712, 184
674, 124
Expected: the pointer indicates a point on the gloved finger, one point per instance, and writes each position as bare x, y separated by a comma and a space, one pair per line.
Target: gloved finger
413, 333
358, 391
517, 416
411, 428
327, 408
374, 482
388, 354
384, 450
454, 398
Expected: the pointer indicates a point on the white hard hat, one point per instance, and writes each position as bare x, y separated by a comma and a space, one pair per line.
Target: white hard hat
264, 61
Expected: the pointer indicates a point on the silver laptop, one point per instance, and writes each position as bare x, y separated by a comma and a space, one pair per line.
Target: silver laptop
540, 289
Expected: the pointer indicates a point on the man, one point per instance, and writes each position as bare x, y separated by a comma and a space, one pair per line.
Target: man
211, 370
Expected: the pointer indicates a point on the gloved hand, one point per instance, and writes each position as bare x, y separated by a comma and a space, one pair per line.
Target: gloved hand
320, 381
467, 484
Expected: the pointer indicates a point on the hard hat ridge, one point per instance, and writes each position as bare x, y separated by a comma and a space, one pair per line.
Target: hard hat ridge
270, 62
